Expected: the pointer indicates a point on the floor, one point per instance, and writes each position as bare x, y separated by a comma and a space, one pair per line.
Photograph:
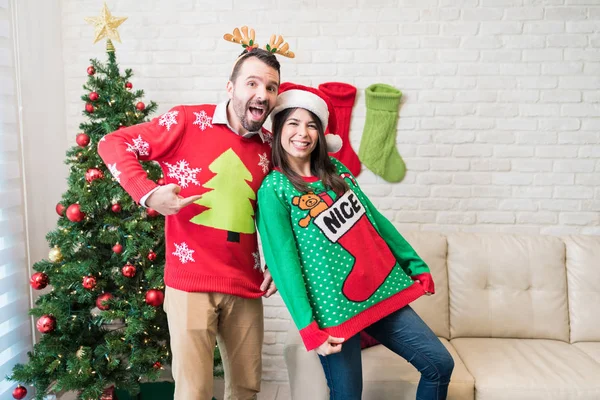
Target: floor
269, 391
273, 391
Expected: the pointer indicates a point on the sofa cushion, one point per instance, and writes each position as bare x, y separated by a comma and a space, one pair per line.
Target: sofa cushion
434, 310
507, 286
527, 369
389, 376
592, 349
583, 274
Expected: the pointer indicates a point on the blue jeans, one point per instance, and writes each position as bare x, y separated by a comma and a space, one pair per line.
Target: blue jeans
405, 333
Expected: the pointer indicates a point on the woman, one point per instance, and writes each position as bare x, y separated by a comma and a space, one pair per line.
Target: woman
340, 266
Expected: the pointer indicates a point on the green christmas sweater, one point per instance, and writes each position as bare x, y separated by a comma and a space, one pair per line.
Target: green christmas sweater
339, 264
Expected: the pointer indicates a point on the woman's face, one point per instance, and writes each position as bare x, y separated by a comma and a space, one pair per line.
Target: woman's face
299, 135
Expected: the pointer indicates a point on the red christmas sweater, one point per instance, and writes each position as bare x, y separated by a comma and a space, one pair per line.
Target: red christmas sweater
211, 245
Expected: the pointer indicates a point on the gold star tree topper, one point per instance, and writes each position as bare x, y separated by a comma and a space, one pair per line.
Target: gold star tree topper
106, 25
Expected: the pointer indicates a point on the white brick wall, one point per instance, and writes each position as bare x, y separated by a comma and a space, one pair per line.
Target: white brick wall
500, 121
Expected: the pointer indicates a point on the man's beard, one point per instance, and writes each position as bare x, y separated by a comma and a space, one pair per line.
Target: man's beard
241, 110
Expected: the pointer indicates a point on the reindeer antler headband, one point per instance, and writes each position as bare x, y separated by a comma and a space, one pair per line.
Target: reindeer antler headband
246, 37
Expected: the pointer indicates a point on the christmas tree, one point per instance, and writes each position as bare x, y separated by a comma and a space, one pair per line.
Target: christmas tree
102, 322
229, 168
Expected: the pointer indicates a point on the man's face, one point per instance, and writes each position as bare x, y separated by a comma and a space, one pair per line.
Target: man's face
253, 94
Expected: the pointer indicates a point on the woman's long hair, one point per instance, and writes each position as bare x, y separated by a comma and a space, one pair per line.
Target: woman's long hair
320, 164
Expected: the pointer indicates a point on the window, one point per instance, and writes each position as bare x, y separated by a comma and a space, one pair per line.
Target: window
15, 324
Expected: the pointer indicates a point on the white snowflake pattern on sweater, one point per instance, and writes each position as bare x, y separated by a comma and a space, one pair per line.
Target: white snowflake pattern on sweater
256, 256
114, 171
183, 173
168, 119
202, 120
139, 146
264, 162
268, 139
183, 252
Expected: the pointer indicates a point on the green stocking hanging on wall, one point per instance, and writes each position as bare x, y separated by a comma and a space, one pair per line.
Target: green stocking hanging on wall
378, 145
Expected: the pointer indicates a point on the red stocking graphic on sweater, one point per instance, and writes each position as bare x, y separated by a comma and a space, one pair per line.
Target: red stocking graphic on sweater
345, 222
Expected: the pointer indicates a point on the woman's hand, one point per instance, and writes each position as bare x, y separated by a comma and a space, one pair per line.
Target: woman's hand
331, 346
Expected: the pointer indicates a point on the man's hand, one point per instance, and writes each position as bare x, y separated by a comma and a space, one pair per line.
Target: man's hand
268, 284
331, 346
167, 201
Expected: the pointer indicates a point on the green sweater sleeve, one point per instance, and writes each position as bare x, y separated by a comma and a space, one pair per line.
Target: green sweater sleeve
281, 256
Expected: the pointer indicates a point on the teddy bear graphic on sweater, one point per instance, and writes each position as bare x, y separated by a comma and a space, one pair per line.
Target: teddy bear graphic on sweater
311, 202
344, 221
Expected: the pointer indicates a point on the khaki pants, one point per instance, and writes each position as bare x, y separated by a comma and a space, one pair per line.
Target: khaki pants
196, 320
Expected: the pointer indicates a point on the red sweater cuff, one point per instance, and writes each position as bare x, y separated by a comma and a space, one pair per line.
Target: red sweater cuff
313, 336
138, 188
341, 94
426, 281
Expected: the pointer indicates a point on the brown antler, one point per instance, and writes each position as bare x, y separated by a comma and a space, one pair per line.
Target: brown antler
243, 38
277, 45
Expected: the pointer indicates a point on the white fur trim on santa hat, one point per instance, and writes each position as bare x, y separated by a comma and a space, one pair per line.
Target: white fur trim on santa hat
296, 98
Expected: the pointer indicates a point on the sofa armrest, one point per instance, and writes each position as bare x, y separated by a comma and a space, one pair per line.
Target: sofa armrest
307, 380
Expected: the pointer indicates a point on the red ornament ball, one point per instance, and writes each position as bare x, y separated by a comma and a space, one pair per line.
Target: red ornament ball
19, 393
60, 209
152, 213
74, 213
82, 140
89, 107
101, 301
39, 280
46, 324
91, 70
161, 181
154, 297
157, 365
129, 85
128, 271
89, 282
140, 106
116, 208
152, 256
92, 174
117, 248
121, 127
94, 96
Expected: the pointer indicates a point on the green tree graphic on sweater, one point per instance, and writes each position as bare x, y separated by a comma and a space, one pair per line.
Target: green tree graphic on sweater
229, 201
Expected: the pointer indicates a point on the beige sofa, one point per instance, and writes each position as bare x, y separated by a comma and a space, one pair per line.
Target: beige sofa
519, 314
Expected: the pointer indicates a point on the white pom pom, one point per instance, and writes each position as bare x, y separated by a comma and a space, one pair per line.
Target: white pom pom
334, 143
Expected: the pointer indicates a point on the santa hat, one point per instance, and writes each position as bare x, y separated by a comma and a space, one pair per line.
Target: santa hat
314, 100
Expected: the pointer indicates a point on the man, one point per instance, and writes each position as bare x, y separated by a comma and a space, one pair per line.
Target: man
214, 159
